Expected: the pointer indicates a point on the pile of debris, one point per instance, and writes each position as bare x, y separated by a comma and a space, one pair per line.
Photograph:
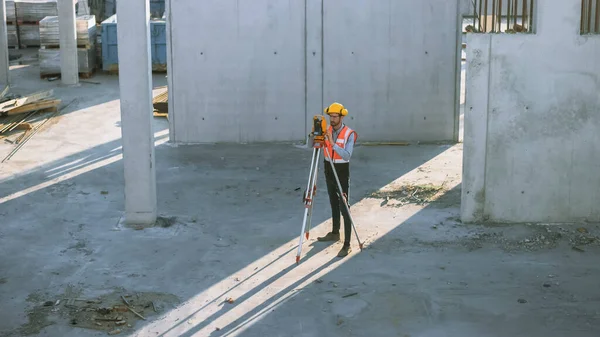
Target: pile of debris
160, 103
409, 194
114, 313
22, 116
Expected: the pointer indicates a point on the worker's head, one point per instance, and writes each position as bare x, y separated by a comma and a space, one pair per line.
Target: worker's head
336, 113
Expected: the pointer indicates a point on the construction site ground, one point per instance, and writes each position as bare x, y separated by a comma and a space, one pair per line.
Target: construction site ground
221, 259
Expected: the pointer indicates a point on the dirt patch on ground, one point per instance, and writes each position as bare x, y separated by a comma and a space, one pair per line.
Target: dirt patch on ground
162, 222
409, 194
114, 313
525, 238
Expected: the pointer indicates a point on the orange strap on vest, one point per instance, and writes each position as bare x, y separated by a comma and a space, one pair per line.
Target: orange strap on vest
341, 142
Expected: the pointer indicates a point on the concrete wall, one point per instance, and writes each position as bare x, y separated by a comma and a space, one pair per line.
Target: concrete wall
531, 143
393, 63
253, 71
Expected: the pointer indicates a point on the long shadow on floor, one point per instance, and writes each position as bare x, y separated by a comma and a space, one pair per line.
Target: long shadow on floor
235, 204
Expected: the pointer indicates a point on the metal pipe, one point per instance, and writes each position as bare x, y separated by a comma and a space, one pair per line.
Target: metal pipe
485, 15
500, 16
22, 120
479, 15
525, 25
597, 23
34, 131
531, 16
581, 23
589, 16
523, 13
517, 11
493, 16
508, 13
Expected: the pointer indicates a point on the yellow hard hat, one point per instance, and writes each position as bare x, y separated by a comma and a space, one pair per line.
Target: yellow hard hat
336, 108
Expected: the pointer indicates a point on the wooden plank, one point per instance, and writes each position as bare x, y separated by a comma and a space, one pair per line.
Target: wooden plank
160, 114
15, 103
4, 92
161, 98
39, 105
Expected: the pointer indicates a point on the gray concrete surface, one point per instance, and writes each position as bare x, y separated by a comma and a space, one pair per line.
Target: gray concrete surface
237, 216
264, 76
531, 122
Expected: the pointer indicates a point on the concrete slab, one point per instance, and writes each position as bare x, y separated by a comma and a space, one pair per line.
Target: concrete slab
231, 219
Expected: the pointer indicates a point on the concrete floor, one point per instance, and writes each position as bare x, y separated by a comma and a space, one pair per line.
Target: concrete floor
238, 215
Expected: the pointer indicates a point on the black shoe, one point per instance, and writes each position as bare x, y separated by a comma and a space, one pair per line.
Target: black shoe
330, 237
345, 251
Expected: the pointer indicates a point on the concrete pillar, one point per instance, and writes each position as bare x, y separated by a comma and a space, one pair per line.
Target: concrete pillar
69, 65
4, 65
135, 82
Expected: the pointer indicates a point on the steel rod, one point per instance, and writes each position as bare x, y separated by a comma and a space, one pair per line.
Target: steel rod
34, 131
21, 121
500, 15
508, 13
581, 23
589, 16
531, 17
597, 19
479, 15
516, 13
523, 13
494, 16
485, 15
525, 25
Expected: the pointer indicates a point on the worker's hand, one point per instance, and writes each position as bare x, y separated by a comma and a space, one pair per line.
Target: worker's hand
329, 136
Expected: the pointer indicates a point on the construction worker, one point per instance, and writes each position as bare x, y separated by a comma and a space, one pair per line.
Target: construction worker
340, 141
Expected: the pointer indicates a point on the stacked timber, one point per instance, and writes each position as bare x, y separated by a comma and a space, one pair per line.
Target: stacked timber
49, 53
160, 103
22, 116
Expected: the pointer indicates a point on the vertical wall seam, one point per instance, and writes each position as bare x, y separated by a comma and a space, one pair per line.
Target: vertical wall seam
458, 73
170, 75
306, 69
322, 57
487, 127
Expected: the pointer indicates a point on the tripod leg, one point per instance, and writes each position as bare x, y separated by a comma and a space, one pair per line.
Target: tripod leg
314, 192
307, 202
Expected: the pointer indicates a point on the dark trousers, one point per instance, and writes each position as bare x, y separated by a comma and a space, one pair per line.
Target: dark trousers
337, 206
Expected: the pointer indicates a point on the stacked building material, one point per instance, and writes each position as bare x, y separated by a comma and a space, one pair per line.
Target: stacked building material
86, 31
49, 53
50, 62
13, 37
33, 11
29, 35
11, 24
10, 12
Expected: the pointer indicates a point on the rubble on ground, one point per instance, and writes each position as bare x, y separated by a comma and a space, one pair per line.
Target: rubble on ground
114, 313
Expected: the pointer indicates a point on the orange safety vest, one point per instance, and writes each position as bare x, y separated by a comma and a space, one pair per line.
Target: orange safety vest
341, 142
